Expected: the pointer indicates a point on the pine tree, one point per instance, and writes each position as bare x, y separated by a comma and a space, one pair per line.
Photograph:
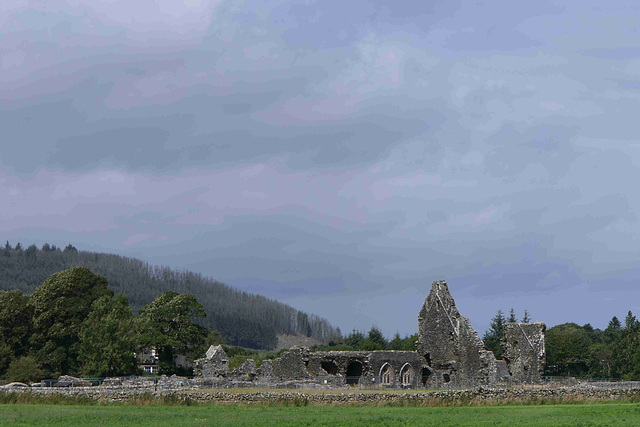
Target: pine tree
396, 342
512, 316
494, 334
630, 321
526, 318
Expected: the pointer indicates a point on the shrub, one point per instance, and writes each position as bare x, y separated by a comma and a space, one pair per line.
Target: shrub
25, 370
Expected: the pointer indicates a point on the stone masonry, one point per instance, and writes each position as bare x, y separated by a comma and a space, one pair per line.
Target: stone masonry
523, 348
449, 350
449, 343
216, 364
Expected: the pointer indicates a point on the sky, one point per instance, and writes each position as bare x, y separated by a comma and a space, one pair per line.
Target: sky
336, 156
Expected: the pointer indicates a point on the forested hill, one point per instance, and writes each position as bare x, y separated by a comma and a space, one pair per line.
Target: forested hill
242, 318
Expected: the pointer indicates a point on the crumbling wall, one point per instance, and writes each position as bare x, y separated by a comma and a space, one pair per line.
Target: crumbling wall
246, 371
292, 365
216, 364
407, 368
449, 350
449, 343
337, 368
523, 348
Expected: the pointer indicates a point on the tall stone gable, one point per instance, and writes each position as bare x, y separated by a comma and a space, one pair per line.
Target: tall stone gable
524, 350
449, 343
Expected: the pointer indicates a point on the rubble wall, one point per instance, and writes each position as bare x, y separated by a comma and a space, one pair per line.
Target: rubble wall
449, 343
523, 347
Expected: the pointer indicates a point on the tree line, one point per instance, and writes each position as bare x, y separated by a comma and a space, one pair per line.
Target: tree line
242, 318
372, 340
581, 351
74, 324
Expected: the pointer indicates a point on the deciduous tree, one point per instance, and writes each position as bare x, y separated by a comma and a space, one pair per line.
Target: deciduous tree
15, 326
60, 305
167, 324
108, 338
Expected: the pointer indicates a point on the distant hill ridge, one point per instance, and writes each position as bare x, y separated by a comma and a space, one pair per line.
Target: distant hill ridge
242, 318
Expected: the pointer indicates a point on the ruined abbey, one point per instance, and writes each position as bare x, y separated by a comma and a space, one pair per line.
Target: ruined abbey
448, 350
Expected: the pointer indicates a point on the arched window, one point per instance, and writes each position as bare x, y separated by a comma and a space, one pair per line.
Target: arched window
407, 374
386, 375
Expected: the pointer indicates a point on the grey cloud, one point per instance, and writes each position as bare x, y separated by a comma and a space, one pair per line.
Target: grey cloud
339, 157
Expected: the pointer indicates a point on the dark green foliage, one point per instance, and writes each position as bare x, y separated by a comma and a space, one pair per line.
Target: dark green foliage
408, 343
108, 339
167, 324
494, 334
258, 319
526, 318
25, 370
613, 331
60, 305
568, 349
246, 332
625, 360
583, 351
512, 316
396, 342
354, 339
15, 327
214, 338
239, 355
630, 321
374, 341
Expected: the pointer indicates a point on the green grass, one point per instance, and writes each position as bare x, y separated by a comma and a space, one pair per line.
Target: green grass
236, 415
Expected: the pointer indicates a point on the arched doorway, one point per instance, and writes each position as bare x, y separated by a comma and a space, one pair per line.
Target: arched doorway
330, 367
386, 375
407, 375
426, 374
354, 372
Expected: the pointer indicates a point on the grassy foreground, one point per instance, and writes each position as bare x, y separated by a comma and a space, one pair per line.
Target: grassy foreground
236, 415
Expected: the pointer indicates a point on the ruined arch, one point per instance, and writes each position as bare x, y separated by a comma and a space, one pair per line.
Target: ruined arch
354, 372
426, 374
407, 374
386, 375
330, 367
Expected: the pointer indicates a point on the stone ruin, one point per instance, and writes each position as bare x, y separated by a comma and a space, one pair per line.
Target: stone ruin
523, 349
449, 343
215, 365
449, 351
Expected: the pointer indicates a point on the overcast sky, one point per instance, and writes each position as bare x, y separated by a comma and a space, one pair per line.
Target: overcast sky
336, 156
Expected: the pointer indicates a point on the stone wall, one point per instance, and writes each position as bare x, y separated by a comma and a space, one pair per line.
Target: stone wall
449, 343
449, 350
523, 348
369, 368
480, 395
216, 364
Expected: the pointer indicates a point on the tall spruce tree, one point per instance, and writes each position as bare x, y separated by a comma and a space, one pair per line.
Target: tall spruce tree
494, 334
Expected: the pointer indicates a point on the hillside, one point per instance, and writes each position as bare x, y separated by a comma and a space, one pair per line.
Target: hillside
242, 318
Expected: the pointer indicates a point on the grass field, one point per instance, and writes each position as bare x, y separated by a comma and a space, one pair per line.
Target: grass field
122, 415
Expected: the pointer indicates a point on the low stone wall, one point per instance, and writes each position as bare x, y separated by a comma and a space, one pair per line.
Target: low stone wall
428, 398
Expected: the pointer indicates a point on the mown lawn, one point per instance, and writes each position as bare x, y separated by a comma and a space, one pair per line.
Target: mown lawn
119, 415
